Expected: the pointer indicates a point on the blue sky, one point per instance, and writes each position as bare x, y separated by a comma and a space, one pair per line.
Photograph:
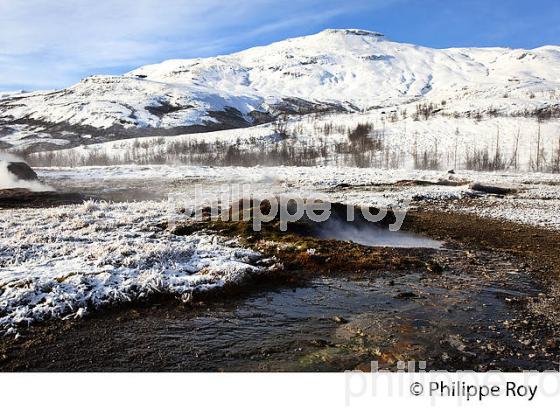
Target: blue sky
55, 43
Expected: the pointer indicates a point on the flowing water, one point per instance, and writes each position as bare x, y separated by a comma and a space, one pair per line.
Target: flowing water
452, 320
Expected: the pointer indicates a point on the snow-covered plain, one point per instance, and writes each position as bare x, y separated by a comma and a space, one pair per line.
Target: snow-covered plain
537, 201
62, 262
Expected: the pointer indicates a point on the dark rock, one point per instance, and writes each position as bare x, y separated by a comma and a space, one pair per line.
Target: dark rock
319, 343
406, 295
489, 189
260, 117
22, 171
440, 182
434, 267
165, 108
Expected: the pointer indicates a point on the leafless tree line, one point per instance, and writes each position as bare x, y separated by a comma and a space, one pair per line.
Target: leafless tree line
365, 146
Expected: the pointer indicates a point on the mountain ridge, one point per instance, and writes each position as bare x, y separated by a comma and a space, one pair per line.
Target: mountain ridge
349, 70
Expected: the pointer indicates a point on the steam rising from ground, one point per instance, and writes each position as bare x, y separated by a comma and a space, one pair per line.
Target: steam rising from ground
365, 233
9, 180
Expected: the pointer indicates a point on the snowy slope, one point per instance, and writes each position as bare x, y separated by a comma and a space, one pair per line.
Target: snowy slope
336, 70
455, 138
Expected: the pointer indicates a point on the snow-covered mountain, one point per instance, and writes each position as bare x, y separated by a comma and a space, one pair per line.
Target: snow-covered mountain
334, 70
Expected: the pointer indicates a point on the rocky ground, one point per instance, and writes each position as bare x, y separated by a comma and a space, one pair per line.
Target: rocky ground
480, 303
486, 300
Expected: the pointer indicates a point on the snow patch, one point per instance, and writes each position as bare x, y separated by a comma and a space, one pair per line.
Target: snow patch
72, 259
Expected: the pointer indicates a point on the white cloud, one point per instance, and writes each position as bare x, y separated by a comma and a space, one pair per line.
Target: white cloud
45, 43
